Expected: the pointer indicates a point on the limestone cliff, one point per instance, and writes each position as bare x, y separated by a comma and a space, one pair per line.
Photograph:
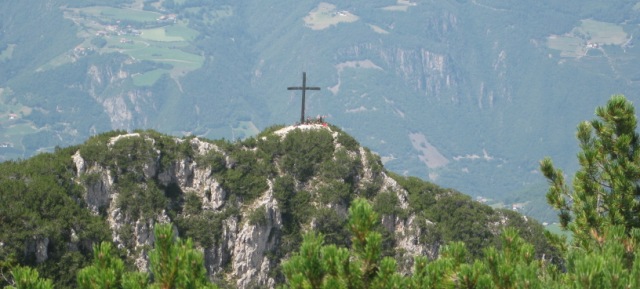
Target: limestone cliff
245, 204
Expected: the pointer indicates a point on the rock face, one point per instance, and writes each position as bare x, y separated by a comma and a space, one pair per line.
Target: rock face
126, 109
249, 262
238, 201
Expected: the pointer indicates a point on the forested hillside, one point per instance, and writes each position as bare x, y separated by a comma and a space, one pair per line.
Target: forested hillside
467, 94
245, 204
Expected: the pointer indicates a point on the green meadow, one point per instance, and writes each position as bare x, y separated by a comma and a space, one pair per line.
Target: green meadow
7, 52
148, 78
590, 34
111, 13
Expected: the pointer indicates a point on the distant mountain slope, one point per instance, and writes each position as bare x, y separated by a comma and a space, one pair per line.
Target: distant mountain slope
246, 204
470, 94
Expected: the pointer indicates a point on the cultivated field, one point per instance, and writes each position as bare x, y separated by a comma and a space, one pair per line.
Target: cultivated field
143, 35
326, 15
591, 34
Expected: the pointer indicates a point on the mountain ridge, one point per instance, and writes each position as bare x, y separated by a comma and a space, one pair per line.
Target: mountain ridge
245, 204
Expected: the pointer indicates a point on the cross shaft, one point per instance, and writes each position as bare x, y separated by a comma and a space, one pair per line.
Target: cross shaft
304, 88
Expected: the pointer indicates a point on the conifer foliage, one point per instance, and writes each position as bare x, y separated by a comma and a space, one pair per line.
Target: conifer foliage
606, 188
602, 210
611, 260
174, 264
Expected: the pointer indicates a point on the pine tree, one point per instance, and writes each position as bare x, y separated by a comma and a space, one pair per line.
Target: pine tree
175, 263
105, 272
28, 278
606, 188
326, 266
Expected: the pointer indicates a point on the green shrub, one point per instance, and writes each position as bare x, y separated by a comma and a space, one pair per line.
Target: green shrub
386, 203
247, 176
374, 162
192, 204
213, 159
334, 192
283, 192
270, 130
348, 142
332, 226
343, 166
304, 150
258, 217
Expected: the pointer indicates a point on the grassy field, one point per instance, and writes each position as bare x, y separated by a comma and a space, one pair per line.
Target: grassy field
590, 34
144, 49
19, 129
603, 33
182, 30
172, 33
569, 46
148, 78
7, 53
325, 15
110, 13
159, 34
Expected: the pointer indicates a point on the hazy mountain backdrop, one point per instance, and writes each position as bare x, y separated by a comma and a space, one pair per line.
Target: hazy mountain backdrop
468, 94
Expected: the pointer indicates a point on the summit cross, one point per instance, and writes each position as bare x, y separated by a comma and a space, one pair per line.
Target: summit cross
304, 88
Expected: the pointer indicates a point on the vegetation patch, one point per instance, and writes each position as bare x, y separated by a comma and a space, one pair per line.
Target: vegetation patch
602, 33
181, 30
148, 78
7, 52
111, 13
143, 35
569, 46
326, 15
258, 217
591, 34
160, 34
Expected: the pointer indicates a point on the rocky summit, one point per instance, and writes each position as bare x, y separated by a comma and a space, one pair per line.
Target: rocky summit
245, 204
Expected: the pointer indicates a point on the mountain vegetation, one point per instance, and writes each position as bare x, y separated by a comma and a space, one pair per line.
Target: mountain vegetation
469, 94
245, 204
605, 189
609, 260
599, 211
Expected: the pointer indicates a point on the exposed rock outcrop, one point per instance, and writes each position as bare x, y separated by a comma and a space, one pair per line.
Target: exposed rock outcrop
239, 193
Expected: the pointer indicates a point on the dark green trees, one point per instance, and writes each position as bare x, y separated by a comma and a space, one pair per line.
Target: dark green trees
610, 261
362, 266
606, 188
328, 266
174, 264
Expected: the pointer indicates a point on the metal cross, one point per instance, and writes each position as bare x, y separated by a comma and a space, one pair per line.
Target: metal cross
304, 88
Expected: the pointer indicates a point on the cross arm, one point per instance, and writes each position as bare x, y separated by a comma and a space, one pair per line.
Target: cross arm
303, 88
